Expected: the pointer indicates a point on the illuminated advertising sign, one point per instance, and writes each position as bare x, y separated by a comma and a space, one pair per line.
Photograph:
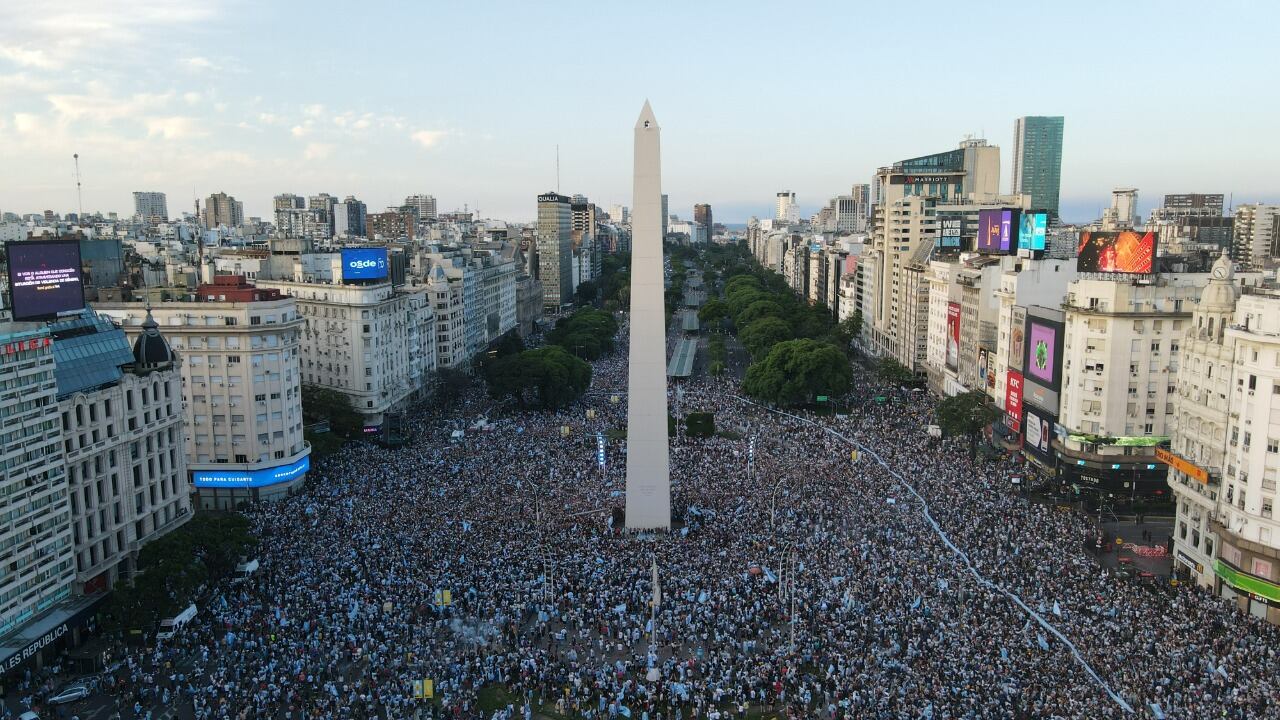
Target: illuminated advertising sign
982, 366
1013, 400
364, 263
45, 278
926, 179
1189, 469
953, 336
949, 233
1041, 360
997, 231
250, 478
1037, 438
1032, 230
1116, 252
1017, 337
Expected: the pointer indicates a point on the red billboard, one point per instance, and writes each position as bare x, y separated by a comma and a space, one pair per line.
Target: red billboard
953, 336
1116, 252
1013, 400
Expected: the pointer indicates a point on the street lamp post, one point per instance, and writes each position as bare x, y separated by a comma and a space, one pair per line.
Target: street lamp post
773, 504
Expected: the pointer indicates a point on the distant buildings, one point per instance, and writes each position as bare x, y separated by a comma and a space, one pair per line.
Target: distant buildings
702, 215
150, 207
555, 249
1123, 213
1037, 160
1256, 240
223, 210
785, 209
350, 218
423, 207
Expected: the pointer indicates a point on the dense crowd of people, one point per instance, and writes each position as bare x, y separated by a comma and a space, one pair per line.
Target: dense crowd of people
801, 584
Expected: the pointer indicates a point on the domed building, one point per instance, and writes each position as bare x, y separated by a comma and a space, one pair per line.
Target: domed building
151, 351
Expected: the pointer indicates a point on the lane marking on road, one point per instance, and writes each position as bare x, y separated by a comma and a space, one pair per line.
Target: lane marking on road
960, 553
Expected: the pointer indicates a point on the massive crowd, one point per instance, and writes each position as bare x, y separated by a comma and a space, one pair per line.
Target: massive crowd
809, 586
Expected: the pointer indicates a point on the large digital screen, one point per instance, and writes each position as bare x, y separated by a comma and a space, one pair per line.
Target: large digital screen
1032, 230
996, 231
1041, 360
1037, 436
45, 278
1017, 337
364, 263
953, 336
250, 478
1128, 251
949, 231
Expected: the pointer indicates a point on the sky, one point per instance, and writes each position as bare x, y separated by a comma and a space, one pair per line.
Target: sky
469, 101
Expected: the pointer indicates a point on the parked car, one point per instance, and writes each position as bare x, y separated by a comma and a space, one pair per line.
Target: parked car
70, 695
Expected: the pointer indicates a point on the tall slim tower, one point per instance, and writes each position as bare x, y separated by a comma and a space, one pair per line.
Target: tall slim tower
648, 469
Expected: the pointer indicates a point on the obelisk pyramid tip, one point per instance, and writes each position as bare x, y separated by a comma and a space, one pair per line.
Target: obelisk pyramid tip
646, 118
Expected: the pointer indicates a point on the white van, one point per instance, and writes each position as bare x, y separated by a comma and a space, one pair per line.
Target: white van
244, 571
170, 626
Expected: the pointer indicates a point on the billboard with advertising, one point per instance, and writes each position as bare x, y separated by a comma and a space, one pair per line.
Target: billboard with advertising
45, 278
953, 336
1032, 230
250, 478
1017, 337
949, 230
364, 263
1042, 362
991, 371
982, 365
1037, 437
1013, 400
1129, 251
997, 231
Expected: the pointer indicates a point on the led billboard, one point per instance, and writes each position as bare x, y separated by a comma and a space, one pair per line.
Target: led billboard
250, 478
1017, 337
1031, 231
949, 230
996, 231
1013, 400
953, 336
45, 278
1037, 436
1128, 251
1042, 362
364, 263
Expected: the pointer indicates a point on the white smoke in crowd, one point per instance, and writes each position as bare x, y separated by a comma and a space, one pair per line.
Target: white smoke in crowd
476, 633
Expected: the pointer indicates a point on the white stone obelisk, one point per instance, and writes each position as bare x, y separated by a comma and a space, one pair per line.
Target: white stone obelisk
648, 469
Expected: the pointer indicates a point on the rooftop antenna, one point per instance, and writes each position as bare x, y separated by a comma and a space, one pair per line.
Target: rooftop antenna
79, 197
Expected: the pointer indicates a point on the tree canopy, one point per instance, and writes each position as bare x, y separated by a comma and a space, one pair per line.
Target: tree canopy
756, 311
796, 371
966, 415
547, 378
322, 403
588, 333
760, 336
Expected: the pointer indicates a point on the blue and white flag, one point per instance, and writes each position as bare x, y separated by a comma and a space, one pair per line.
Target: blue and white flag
1044, 644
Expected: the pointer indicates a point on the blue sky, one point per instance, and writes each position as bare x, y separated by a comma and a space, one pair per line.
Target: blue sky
467, 101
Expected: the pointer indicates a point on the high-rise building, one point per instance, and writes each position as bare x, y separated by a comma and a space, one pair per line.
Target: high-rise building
702, 214
620, 214
1256, 235
290, 214
1037, 160
150, 206
555, 249
122, 435
1191, 221
1123, 213
1193, 203
36, 518
390, 225
350, 218
223, 210
241, 376
786, 209
422, 206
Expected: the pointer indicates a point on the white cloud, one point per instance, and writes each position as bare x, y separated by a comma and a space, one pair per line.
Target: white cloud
27, 57
299, 130
199, 63
99, 106
317, 151
25, 122
269, 119
428, 138
313, 110
174, 127
191, 98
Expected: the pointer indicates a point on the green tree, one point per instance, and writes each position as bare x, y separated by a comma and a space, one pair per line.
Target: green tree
547, 378
795, 372
966, 415
450, 384
322, 403
757, 310
586, 293
855, 323
895, 373
763, 334
713, 313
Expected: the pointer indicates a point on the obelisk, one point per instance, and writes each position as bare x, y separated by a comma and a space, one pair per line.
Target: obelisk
648, 470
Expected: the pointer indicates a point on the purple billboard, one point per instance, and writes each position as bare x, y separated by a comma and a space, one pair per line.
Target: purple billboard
1043, 340
997, 231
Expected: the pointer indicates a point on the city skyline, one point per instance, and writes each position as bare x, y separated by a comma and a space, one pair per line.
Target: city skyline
185, 106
